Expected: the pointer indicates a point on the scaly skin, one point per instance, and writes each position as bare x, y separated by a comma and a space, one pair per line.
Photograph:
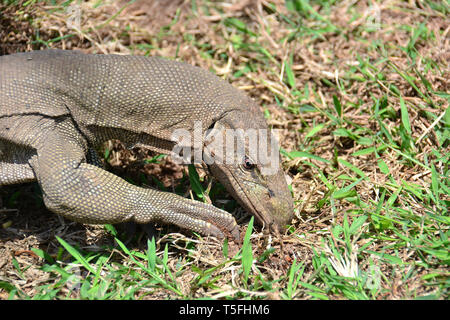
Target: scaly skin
57, 105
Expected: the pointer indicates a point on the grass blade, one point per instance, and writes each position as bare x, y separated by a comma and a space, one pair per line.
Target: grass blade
247, 255
405, 117
74, 252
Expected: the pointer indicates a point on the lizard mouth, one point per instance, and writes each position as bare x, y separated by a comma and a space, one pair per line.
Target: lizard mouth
261, 214
272, 208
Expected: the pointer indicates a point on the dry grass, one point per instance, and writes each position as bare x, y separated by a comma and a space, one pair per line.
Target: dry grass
333, 78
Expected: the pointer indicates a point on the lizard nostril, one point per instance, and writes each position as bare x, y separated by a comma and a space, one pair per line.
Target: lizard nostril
271, 194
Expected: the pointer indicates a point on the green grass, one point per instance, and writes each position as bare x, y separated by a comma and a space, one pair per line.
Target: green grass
366, 144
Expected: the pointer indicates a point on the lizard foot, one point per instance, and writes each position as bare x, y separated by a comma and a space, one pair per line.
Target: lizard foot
200, 217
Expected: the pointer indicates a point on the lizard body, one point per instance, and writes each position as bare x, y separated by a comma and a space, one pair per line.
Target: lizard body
56, 105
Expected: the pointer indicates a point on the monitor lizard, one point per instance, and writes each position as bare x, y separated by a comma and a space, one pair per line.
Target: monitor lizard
56, 105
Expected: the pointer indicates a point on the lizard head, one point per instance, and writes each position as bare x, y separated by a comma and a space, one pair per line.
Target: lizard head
247, 162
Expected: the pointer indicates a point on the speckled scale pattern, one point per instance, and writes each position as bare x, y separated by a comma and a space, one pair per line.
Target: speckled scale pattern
55, 105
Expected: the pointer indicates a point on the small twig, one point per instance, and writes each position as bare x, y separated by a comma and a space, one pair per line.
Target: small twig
431, 127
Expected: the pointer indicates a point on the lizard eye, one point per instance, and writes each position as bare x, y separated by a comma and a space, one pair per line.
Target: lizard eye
247, 163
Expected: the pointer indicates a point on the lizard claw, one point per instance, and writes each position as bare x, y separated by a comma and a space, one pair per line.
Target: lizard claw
193, 215
231, 231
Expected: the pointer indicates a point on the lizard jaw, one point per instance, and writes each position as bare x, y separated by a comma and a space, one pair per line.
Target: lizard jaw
272, 210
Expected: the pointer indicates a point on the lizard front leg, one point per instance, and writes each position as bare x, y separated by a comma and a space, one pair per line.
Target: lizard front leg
88, 194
